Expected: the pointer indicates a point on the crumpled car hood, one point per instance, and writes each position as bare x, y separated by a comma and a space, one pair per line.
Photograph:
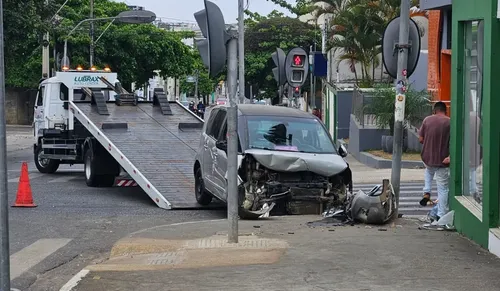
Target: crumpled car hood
321, 164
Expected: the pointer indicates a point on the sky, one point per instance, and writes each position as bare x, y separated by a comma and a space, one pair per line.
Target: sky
183, 10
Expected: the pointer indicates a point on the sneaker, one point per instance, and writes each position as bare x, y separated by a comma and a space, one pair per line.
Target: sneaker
425, 199
429, 218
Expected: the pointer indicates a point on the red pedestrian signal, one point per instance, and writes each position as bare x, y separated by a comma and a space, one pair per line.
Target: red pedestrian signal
298, 60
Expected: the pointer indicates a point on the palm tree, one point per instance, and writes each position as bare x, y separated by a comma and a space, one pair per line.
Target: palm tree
358, 26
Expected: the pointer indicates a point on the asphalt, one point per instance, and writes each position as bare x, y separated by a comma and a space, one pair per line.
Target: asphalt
284, 253
93, 219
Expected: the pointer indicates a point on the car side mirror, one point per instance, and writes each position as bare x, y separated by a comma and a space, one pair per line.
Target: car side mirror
221, 145
342, 151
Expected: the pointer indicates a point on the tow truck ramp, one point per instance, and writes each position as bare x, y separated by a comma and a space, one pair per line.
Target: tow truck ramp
150, 144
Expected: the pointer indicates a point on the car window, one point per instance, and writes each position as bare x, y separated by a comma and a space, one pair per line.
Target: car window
223, 135
216, 126
39, 100
210, 121
288, 134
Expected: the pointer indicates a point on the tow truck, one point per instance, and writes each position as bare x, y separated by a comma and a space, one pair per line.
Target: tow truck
86, 117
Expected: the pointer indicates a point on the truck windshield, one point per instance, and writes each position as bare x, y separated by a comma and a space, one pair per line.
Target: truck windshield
305, 135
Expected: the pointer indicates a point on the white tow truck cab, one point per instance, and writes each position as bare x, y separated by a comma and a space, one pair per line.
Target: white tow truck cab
59, 137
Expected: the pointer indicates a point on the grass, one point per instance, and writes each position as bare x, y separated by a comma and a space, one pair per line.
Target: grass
409, 156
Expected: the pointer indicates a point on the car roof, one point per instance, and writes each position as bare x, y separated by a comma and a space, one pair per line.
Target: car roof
259, 110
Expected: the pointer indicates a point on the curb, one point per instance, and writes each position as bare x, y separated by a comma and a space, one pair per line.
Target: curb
381, 163
75, 280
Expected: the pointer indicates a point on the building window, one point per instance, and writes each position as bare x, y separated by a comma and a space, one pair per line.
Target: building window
472, 147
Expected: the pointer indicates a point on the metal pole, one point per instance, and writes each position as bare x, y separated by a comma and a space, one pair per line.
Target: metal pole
232, 141
399, 112
196, 86
241, 49
45, 53
4, 198
91, 33
251, 94
311, 77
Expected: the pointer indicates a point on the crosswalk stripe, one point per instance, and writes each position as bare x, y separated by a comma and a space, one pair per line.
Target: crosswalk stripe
33, 254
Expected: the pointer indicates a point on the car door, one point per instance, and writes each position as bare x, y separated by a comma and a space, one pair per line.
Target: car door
220, 169
210, 151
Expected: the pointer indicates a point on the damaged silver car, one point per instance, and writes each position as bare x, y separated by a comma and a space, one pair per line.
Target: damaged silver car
287, 162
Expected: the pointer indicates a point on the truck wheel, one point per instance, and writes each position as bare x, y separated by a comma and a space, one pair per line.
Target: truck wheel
91, 178
202, 196
46, 166
106, 180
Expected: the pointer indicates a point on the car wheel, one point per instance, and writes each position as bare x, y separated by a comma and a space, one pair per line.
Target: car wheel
202, 196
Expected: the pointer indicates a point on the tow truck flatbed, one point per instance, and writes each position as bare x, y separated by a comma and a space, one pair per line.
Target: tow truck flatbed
156, 150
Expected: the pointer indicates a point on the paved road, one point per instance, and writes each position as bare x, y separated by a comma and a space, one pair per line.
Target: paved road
73, 224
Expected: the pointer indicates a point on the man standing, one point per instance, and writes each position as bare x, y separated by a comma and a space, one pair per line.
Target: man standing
434, 135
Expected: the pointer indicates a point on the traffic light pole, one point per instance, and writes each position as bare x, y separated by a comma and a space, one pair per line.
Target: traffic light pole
4, 198
241, 49
400, 99
232, 140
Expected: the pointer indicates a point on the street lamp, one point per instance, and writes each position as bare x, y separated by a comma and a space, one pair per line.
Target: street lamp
131, 17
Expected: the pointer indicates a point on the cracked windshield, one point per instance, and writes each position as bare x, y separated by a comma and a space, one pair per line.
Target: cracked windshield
289, 134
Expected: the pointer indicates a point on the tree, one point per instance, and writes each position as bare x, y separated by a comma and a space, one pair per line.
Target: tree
206, 84
262, 37
358, 26
134, 51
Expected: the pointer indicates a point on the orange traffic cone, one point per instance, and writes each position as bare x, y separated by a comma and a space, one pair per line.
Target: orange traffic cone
24, 196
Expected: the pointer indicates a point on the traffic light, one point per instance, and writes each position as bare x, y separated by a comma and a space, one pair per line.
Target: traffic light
296, 67
212, 48
279, 72
296, 92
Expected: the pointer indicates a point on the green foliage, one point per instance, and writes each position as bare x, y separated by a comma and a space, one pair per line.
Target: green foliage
301, 7
206, 84
135, 52
357, 28
262, 37
417, 106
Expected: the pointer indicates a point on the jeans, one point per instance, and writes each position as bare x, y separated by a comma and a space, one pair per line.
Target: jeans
442, 180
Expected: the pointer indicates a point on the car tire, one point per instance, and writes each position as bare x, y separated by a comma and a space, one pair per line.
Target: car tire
203, 197
47, 166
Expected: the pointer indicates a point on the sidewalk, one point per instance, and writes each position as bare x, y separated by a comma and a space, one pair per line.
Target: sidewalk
284, 253
361, 173
19, 137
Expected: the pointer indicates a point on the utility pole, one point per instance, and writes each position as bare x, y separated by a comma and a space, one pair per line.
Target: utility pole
400, 100
91, 33
251, 94
4, 198
241, 49
232, 140
46, 53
